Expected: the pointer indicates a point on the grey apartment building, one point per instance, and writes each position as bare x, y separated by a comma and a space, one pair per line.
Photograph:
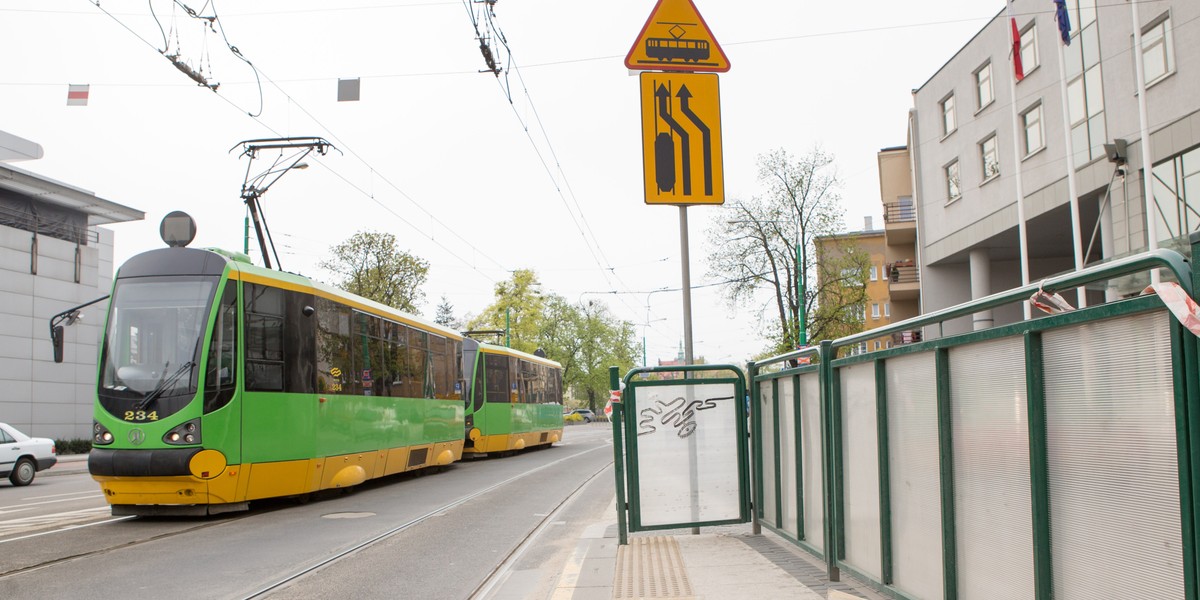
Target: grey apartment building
974, 143
53, 256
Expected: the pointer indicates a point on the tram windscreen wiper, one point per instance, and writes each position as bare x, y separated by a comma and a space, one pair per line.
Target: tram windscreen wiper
163, 385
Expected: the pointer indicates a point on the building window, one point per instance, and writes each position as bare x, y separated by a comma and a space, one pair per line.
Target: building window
1177, 194
887, 309
1085, 90
983, 84
1029, 49
878, 345
874, 273
875, 310
953, 189
990, 158
1034, 136
1158, 51
949, 120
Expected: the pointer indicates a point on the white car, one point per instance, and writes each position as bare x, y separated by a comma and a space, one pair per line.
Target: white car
21, 456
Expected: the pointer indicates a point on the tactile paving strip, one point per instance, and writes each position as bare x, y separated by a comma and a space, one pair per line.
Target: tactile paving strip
651, 567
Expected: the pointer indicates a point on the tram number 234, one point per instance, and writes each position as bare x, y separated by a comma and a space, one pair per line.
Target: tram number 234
141, 415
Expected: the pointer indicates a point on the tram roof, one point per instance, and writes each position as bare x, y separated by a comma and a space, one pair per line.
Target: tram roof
494, 349
302, 283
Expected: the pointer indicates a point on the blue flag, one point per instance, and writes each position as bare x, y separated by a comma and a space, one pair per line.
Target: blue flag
1064, 21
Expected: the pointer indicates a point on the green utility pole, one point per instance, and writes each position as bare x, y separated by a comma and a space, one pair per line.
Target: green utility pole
246, 235
507, 331
800, 308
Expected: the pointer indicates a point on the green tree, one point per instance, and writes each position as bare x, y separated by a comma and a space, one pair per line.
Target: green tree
371, 265
445, 315
754, 243
585, 339
519, 303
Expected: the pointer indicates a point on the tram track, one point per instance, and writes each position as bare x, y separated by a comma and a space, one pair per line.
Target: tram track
502, 570
496, 572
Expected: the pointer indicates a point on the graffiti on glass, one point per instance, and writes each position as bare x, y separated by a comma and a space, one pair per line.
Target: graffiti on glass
677, 413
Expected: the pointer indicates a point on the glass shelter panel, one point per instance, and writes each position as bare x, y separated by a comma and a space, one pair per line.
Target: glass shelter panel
860, 466
766, 411
914, 474
812, 456
1112, 457
787, 456
686, 448
992, 503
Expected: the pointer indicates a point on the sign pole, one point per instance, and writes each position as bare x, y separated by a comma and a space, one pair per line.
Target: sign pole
688, 357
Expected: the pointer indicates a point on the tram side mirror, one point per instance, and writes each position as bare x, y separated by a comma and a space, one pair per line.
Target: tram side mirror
309, 311
56, 338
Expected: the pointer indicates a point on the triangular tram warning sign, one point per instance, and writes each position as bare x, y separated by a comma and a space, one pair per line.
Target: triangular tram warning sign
676, 38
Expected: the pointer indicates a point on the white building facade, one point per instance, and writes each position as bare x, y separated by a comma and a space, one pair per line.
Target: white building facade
53, 256
971, 164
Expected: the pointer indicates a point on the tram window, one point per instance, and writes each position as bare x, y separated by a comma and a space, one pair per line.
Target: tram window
556, 382
397, 336
456, 379
442, 367
478, 387
333, 347
416, 365
220, 378
299, 345
497, 378
264, 338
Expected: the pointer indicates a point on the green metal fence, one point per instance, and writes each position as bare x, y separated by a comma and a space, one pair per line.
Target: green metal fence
1052, 458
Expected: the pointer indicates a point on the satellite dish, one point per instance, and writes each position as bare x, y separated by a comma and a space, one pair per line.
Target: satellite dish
177, 229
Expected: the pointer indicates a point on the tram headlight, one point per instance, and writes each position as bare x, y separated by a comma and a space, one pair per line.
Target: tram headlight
100, 434
185, 434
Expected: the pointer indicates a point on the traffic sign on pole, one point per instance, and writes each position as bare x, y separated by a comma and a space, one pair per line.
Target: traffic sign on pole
681, 139
676, 38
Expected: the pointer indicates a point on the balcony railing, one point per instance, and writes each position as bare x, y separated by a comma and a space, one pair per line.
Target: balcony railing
903, 274
897, 212
906, 337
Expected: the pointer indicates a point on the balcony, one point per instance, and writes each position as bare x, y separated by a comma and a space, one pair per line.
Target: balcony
900, 223
904, 280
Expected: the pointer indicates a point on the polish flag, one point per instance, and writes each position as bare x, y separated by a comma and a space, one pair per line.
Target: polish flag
77, 95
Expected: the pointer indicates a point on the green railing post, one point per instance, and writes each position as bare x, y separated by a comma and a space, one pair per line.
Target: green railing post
755, 448
1039, 469
614, 383
828, 441
946, 455
885, 477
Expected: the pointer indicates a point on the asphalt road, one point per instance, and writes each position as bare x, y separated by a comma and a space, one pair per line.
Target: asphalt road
442, 535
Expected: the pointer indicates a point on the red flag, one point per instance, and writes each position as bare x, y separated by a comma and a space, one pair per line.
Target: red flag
1018, 69
77, 95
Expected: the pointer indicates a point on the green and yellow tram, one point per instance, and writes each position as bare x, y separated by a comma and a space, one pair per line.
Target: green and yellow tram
221, 382
515, 399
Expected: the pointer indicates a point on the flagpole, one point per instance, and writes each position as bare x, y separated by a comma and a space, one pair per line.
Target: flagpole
1144, 123
1070, 160
1022, 233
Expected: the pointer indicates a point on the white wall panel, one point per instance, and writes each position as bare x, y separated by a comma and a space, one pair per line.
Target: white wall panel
860, 467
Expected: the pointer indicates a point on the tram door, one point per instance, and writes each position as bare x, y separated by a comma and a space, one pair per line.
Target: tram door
684, 444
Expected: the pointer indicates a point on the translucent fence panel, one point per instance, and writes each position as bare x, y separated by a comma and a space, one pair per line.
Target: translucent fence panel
1114, 488
914, 475
687, 469
766, 411
992, 502
787, 456
812, 456
860, 468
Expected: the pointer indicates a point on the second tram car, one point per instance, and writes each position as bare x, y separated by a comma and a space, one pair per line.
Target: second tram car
515, 399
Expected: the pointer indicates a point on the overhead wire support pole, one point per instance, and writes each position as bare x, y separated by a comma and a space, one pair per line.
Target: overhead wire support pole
253, 187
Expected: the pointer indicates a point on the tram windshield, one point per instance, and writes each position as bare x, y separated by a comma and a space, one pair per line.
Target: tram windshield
152, 346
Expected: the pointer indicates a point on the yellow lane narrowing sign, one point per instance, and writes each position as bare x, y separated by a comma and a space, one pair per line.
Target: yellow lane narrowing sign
681, 138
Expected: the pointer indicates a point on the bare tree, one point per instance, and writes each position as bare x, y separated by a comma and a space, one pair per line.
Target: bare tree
758, 243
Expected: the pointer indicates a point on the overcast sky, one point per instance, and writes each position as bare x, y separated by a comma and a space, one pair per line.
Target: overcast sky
434, 152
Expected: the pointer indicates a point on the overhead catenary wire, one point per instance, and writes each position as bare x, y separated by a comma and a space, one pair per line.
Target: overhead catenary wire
337, 173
